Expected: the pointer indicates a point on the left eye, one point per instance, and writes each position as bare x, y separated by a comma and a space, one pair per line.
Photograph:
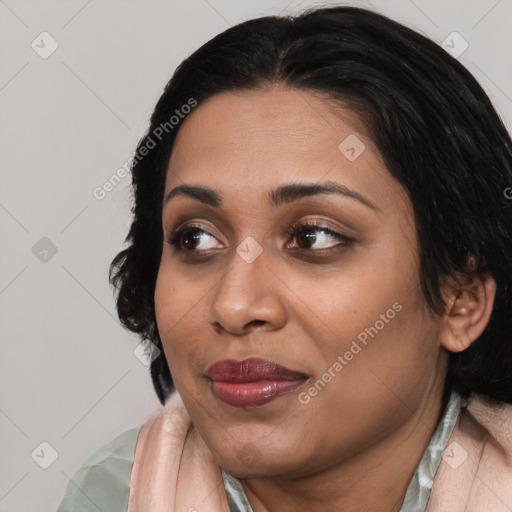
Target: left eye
307, 238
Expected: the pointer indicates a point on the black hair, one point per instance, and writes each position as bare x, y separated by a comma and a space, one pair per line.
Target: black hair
433, 124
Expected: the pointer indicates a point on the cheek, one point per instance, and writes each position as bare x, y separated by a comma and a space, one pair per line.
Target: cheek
372, 317
371, 371
383, 355
171, 313
367, 296
180, 310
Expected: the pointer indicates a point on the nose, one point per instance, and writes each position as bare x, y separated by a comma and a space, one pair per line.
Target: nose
248, 296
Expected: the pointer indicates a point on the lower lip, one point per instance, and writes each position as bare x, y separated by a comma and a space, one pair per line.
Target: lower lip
252, 394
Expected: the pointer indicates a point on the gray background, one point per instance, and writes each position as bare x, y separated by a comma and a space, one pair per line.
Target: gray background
68, 122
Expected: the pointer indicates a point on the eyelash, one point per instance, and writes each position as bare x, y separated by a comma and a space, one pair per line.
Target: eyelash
345, 241
293, 231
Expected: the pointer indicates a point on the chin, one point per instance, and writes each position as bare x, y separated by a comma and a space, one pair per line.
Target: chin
251, 462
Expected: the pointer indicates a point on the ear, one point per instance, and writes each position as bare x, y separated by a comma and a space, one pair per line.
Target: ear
470, 300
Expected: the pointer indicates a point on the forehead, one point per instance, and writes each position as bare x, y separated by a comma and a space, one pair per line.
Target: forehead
254, 140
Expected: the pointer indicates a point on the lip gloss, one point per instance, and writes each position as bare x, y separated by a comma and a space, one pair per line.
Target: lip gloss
253, 394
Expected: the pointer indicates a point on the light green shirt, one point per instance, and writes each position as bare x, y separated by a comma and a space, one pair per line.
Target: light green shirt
103, 482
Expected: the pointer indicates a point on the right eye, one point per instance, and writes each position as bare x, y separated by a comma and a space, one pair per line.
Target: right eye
190, 238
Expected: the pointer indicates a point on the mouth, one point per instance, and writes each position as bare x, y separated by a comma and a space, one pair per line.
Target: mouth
252, 382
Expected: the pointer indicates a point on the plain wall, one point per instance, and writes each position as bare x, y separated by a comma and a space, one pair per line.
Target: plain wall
68, 122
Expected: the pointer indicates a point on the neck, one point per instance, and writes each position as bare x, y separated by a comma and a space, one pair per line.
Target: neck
374, 480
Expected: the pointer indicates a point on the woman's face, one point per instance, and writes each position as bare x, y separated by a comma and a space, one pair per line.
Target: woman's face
340, 302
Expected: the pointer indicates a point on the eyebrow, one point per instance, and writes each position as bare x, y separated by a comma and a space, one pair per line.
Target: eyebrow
281, 195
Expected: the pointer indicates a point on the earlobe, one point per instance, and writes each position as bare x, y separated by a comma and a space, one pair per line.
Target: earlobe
469, 306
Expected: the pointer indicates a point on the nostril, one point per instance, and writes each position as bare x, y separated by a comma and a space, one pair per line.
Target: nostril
256, 323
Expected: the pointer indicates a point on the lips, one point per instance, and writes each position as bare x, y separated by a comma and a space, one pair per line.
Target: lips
250, 370
252, 382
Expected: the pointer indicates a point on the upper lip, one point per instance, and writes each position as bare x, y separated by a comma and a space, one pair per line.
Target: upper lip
251, 370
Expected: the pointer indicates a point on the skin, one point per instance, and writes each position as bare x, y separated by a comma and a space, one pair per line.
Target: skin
368, 428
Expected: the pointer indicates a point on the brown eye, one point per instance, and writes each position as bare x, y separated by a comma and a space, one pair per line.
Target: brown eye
307, 235
189, 238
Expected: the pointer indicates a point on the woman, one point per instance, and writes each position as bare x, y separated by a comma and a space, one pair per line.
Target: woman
320, 250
